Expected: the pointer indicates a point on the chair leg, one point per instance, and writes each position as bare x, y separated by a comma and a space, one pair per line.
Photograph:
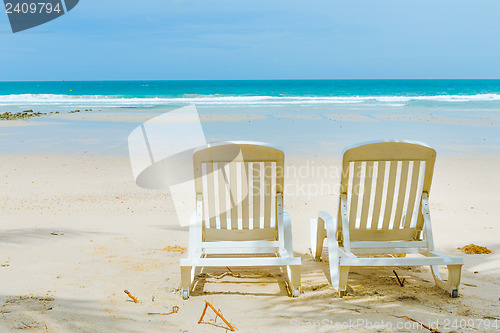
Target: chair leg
338, 274
453, 282
293, 273
318, 234
343, 275
187, 278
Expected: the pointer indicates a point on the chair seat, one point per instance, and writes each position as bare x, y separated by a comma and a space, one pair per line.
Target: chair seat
241, 262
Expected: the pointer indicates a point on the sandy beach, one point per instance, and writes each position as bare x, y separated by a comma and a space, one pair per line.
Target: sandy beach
76, 231
104, 105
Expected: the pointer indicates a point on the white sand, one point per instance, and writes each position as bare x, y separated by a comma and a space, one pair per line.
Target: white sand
139, 117
115, 234
488, 119
20, 123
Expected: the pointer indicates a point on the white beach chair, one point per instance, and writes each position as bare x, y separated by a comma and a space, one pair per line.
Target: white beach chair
239, 218
383, 210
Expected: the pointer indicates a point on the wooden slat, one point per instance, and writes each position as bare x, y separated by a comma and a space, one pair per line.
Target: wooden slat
245, 203
379, 188
252, 245
378, 247
390, 194
382, 235
256, 194
366, 194
402, 194
267, 193
222, 195
241, 235
413, 193
210, 194
233, 193
354, 194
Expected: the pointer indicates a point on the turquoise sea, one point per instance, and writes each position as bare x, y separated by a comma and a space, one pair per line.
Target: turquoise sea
303, 116
428, 93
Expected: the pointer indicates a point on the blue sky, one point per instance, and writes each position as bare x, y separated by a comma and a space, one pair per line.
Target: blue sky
232, 39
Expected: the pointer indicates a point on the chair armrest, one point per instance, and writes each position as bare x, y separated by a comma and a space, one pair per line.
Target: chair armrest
427, 222
287, 233
195, 227
345, 222
330, 222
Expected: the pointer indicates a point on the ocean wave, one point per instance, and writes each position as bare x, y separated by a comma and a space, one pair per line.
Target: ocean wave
110, 101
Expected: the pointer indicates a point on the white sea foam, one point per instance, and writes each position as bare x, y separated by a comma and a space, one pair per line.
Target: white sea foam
117, 101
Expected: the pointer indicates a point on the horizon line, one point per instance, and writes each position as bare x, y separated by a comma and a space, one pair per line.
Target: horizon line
337, 79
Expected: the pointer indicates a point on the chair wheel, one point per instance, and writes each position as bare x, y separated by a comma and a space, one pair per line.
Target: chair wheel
342, 293
185, 294
454, 293
295, 292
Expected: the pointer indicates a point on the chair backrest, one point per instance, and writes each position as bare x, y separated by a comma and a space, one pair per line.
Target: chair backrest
383, 182
239, 183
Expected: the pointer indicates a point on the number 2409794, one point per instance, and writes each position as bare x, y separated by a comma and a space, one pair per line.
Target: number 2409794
32, 8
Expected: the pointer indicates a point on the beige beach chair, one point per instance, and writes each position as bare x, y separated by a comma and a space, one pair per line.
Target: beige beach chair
239, 218
383, 210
